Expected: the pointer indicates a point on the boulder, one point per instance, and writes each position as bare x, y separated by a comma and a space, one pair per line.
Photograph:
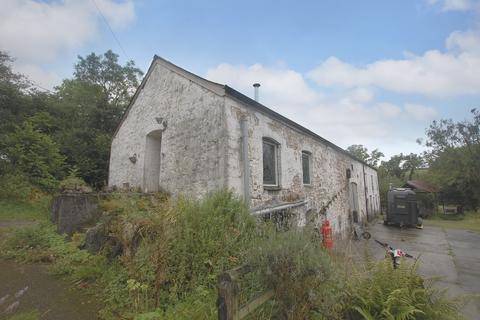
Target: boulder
95, 238
98, 238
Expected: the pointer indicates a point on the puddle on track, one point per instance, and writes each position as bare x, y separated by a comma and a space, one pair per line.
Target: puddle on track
53, 298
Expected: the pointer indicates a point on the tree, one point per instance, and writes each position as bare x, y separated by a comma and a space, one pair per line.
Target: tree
411, 162
7, 76
18, 100
454, 158
393, 167
360, 152
90, 107
77, 121
30, 152
118, 83
374, 158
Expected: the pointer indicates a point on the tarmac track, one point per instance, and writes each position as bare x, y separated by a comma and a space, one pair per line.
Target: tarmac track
452, 255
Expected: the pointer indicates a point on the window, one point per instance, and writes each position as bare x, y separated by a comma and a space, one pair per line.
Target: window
270, 163
306, 166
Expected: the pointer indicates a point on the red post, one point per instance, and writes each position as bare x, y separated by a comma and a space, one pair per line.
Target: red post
327, 240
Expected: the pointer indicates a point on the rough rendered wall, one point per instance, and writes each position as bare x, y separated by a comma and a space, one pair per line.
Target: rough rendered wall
328, 168
373, 192
192, 151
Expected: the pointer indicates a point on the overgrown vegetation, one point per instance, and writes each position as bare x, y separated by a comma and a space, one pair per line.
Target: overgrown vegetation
381, 292
300, 272
172, 250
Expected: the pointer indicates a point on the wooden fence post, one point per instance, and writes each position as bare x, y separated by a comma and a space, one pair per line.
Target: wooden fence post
227, 302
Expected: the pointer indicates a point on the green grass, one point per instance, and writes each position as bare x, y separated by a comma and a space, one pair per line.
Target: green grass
468, 221
25, 211
32, 315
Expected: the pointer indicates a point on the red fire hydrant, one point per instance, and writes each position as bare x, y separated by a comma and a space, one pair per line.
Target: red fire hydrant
327, 239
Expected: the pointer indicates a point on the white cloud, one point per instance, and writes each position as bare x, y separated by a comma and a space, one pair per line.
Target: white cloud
388, 110
345, 117
455, 5
37, 32
118, 14
361, 95
41, 78
467, 42
284, 84
420, 112
433, 74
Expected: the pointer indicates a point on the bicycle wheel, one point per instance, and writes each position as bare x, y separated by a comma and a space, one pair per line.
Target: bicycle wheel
366, 235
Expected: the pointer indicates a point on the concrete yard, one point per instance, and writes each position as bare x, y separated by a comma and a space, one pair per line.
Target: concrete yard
451, 254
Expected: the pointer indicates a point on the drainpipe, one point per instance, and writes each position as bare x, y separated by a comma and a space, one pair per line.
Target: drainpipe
365, 190
246, 166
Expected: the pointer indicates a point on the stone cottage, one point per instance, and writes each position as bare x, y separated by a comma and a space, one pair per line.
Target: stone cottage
184, 134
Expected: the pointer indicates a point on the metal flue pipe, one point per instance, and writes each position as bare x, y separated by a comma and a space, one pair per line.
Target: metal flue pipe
256, 87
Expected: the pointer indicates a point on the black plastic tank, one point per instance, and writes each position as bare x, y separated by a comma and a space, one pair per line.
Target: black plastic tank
402, 208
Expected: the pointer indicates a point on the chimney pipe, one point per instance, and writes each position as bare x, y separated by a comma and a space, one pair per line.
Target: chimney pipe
255, 88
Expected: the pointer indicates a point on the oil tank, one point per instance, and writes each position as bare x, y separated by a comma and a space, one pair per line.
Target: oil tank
402, 208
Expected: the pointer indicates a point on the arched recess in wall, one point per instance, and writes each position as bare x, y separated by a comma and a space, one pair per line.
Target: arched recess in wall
151, 168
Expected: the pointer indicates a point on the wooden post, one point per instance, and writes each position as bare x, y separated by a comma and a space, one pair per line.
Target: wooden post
227, 302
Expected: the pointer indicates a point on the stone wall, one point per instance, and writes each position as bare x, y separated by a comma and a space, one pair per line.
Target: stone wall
328, 169
71, 212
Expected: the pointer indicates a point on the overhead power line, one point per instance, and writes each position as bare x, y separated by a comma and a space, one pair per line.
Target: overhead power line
111, 30
35, 84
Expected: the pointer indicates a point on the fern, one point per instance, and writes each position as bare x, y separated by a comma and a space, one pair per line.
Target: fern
384, 293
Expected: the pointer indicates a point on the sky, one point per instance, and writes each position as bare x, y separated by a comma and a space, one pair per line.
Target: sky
375, 73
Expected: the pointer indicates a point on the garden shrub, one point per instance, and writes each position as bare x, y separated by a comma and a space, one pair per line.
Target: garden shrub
300, 272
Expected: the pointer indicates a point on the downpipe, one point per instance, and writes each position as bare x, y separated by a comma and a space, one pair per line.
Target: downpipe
246, 164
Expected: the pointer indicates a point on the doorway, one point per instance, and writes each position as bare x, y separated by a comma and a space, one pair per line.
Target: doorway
151, 171
354, 201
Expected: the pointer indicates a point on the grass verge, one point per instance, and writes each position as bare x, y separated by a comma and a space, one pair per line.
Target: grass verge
35, 210
468, 221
